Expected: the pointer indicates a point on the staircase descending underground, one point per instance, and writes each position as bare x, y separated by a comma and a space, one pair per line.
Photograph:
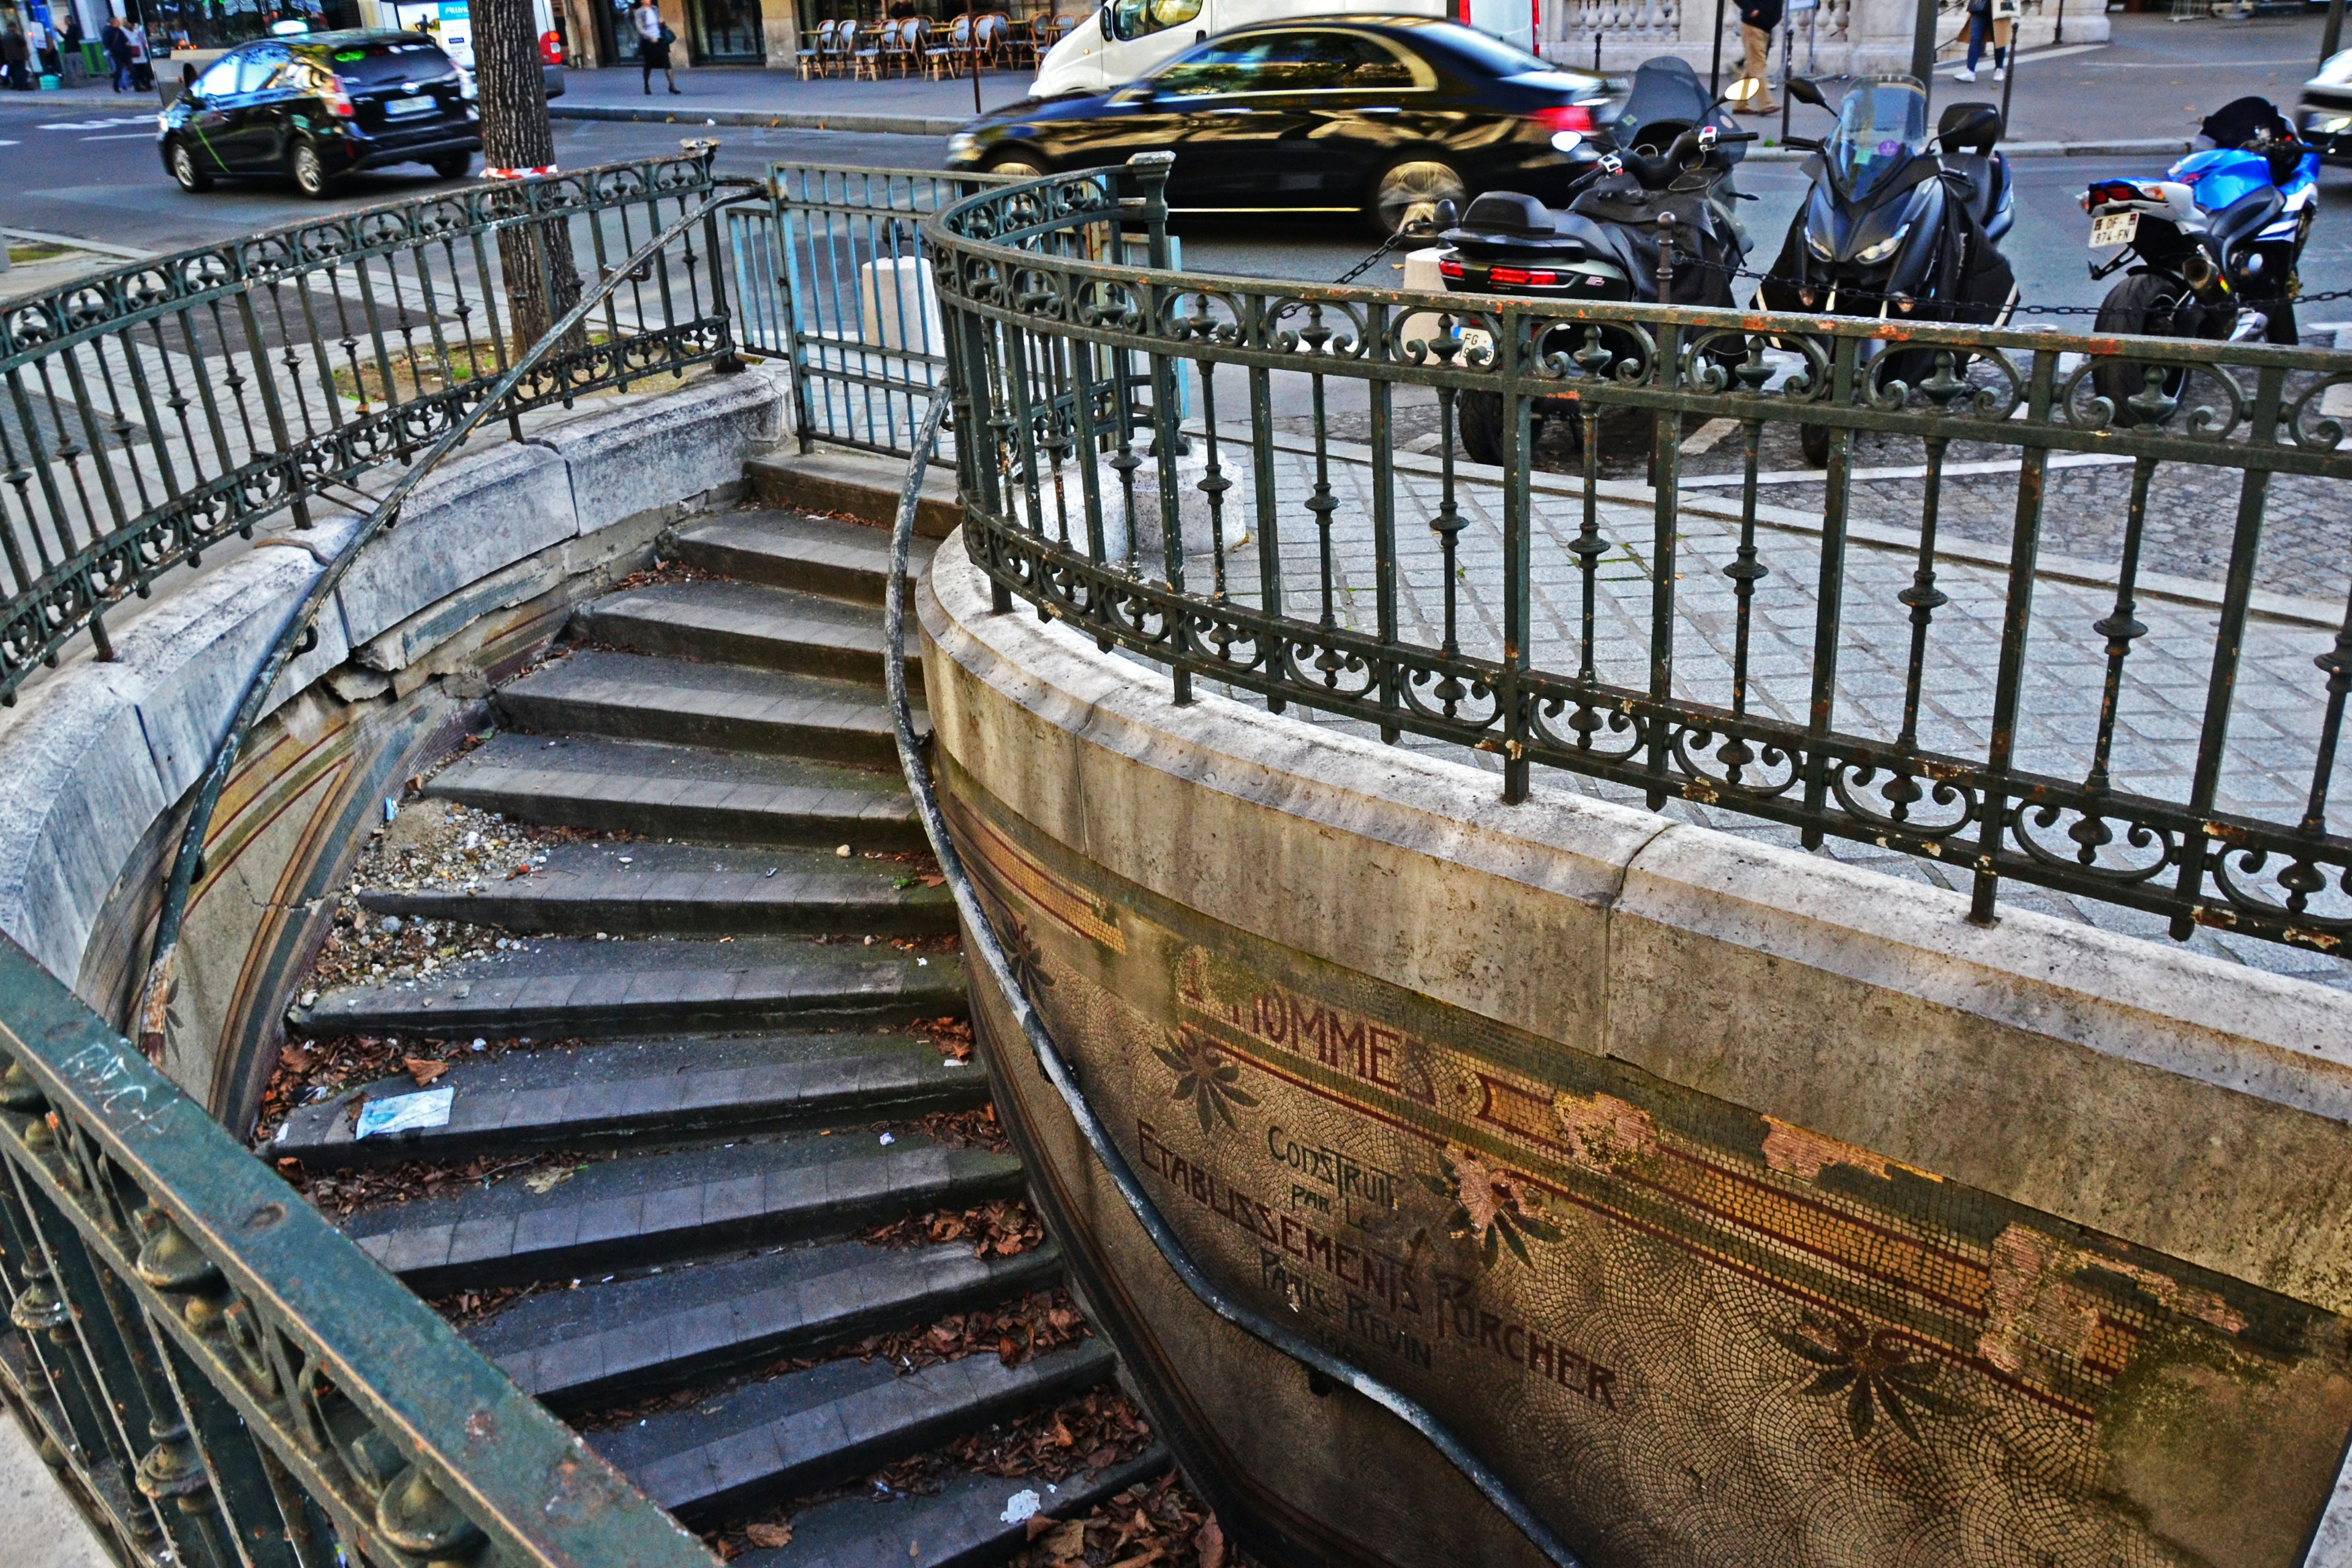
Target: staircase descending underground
728, 1053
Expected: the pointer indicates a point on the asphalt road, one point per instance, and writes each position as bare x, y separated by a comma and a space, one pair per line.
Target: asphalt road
95, 175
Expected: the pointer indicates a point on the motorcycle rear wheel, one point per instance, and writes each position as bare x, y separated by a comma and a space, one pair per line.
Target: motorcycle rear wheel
2147, 305
1478, 416
1816, 440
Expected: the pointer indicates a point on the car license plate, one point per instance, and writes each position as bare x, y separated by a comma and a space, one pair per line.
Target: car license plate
402, 108
2115, 228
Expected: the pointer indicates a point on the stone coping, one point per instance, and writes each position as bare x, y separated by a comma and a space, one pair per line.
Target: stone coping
96, 754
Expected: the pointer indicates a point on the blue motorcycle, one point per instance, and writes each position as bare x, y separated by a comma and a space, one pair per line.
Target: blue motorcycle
2212, 248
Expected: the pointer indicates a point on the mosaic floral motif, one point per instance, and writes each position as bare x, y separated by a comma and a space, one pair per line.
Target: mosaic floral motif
1203, 1077
1873, 1373
1492, 1206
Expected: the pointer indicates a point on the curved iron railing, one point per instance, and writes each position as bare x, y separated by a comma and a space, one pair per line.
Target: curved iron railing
1172, 1251
153, 412
221, 1378
1675, 633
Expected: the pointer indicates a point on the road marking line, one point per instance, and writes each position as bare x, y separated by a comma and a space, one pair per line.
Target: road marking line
97, 124
124, 136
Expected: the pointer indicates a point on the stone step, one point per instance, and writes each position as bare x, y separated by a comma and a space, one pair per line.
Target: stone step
596, 1096
561, 987
732, 708
748, 624
644, 890
960, 1526
683, 791
773, 1440
605, 1342
791, 549
653, 1208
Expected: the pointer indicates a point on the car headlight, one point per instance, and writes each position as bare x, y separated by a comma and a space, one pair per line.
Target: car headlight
964, 144
1818, 244
1884, 250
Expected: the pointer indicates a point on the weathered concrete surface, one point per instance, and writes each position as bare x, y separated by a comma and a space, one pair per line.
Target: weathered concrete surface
475, 570
38, 1520
2188, 1114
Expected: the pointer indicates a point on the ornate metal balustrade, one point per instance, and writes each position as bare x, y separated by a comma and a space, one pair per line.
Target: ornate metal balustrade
148, 413
223, 1380
1630, 634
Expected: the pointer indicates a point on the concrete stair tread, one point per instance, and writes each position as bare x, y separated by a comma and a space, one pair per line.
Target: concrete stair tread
633, 888
792, 550
650, 1208
564, 987
525, 1101
744, 623
734, 707
960, 1525
686, 792
604, 1340
789, 1435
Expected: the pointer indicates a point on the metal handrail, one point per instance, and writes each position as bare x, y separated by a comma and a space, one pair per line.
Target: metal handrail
298, 632
1079, 371
1172, 1251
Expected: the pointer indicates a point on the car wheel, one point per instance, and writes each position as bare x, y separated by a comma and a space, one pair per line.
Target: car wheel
1411, 190
454, 165
184, 168
309, 172
1015, 168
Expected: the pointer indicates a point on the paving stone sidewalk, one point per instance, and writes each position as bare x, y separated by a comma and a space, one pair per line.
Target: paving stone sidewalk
2280, 703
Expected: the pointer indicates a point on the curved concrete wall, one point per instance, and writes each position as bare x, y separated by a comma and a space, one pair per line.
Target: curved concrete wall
1742, 1207
487, 556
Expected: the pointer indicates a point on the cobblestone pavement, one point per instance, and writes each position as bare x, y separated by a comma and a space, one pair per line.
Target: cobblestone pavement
2273, 731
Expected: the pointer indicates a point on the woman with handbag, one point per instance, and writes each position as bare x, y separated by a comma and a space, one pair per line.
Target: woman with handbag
1988, 16
654, 39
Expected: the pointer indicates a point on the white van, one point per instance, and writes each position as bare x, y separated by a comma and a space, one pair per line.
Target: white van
451, 25
1126, 38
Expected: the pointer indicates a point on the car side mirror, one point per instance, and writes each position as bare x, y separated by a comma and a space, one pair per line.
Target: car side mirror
1803, 89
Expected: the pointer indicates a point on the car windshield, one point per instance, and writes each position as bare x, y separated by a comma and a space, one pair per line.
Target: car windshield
388, 64
1882, 126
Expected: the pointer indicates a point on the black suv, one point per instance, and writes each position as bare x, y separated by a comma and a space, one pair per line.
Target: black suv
320, 105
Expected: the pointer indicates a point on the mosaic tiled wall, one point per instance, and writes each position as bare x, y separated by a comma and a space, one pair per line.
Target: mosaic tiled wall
1692, 1333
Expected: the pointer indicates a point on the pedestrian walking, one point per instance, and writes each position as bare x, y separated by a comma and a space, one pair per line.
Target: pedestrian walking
1757, 20
143, 69
16, 57
116, 42
1995, 18
654, 39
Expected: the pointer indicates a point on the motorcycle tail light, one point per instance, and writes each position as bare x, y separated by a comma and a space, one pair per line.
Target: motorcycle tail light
1449, 270
2111, 191
1521, 277
1563, 117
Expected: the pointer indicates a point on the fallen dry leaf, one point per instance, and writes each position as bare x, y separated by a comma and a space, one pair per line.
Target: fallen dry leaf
1211, 1545
545, 1181
770, 1535
422, 1070
1065, 1540
294, 1058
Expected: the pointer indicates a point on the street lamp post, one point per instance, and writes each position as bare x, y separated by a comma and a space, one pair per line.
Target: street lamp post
1923, 47
1715, 67
2331, 38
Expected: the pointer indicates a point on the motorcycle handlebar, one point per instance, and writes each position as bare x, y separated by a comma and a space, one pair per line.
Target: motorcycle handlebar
1655, 171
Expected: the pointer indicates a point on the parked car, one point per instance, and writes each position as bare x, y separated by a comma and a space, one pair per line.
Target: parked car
2325, 120
1386, 115
321, 106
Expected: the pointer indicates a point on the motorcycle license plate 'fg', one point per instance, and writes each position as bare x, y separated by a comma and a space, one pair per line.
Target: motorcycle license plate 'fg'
2115, 228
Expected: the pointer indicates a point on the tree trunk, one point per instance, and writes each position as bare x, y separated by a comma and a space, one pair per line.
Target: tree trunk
543, 279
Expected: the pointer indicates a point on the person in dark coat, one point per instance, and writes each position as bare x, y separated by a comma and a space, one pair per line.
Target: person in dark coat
117, 45
16, 57
1757, 20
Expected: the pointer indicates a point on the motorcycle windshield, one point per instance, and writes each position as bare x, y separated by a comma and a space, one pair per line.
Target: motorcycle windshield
1882, 126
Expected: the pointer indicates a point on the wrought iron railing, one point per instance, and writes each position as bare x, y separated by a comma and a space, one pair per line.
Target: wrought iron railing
1901, 687
151, 413
220, 1378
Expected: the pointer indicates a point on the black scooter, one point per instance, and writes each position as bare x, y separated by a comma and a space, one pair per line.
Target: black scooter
1892, 229
1675, 164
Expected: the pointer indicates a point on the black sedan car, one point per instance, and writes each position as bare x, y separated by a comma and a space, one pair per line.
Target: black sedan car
320, 105
1385, 115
